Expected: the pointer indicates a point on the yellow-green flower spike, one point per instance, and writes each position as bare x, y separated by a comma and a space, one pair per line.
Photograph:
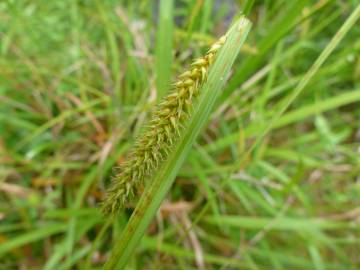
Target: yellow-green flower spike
153, 146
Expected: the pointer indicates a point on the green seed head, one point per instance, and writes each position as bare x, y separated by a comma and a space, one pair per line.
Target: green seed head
154, 145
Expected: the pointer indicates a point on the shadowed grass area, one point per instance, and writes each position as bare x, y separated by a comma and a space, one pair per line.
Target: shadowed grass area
78, 80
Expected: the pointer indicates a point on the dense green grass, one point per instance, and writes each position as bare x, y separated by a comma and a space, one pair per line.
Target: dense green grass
272, 183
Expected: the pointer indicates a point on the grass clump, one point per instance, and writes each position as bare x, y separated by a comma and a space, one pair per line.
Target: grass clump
272, 181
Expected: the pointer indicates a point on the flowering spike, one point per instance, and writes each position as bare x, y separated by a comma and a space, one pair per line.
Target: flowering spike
154, 145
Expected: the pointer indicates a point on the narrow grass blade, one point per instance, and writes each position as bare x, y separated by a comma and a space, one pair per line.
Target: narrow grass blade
164, 43
162, 180
31, 236
348, 97
281, 223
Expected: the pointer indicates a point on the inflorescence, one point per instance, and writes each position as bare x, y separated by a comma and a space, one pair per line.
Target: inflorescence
162, 132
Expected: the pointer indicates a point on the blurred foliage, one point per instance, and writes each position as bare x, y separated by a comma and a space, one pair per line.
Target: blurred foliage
77, 82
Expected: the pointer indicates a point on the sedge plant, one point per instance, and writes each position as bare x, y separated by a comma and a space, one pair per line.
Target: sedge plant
159, 152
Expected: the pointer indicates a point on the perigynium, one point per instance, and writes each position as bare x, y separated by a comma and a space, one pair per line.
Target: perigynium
162, 132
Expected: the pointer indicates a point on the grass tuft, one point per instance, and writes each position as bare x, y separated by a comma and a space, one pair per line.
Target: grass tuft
272, 180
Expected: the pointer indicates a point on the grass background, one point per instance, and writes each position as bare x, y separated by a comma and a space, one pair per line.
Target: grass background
78, 79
